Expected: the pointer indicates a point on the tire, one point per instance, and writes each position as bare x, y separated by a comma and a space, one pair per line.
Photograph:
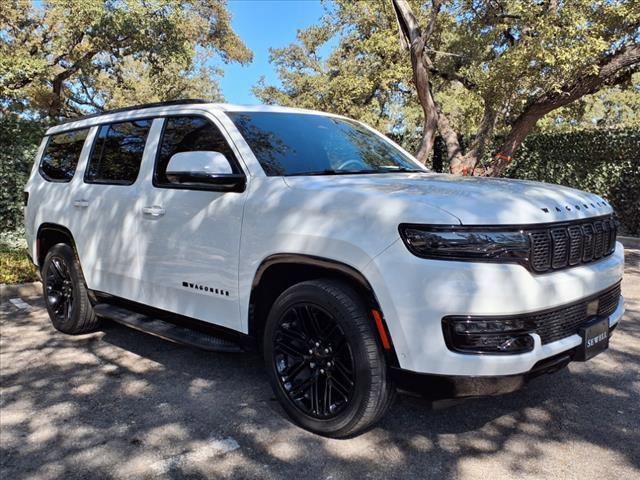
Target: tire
65, 292
313, 331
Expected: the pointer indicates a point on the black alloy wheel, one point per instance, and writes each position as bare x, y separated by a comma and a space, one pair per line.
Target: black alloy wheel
59, 289
314, 361
65, 293
324, 360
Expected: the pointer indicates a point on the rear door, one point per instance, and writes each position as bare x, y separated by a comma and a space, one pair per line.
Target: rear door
105, 204
53, 181
189, 239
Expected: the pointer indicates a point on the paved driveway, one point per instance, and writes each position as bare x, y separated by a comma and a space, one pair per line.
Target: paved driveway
122, 404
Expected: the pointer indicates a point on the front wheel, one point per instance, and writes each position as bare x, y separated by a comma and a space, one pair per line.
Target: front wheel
65, 293
324, 362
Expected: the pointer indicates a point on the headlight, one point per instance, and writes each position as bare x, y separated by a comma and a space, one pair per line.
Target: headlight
466, 243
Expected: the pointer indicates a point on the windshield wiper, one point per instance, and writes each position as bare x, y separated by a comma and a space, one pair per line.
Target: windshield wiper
329, 171
393, 168
383, 169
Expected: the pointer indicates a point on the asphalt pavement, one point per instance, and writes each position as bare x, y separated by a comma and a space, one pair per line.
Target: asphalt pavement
118, 403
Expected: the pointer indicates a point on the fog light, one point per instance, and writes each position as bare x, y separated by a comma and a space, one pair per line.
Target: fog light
521, 343
488, 335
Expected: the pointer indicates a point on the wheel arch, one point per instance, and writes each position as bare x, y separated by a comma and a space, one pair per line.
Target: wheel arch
280, 271
50, 234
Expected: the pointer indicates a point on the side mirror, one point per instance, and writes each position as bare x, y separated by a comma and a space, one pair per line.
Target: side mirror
202, 170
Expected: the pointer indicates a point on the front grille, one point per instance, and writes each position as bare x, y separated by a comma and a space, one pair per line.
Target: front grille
565, 321
566, 245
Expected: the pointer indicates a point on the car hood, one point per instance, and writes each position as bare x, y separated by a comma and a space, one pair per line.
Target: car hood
472, 200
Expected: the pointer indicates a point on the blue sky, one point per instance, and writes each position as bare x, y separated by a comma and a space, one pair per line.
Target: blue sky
263, 24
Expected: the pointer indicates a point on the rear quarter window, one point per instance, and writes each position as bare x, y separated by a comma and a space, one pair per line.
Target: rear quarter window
61, 155
117, 153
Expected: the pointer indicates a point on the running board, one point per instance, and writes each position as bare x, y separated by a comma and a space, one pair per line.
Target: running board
166, 330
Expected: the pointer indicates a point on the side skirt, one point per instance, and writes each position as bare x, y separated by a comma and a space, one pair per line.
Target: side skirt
103, 302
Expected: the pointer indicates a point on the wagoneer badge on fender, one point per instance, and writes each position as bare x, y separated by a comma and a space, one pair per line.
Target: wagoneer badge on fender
204, 288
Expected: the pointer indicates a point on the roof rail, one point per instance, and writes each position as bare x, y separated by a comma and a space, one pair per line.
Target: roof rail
185, 101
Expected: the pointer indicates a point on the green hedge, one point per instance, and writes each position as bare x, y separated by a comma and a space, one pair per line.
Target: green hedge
19, 140
606, 162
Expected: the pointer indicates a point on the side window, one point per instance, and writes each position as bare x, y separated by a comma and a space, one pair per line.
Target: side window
60, 157
189, 134
117, 153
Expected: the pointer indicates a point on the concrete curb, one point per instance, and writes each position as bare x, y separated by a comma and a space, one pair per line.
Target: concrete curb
629, 242
20, 290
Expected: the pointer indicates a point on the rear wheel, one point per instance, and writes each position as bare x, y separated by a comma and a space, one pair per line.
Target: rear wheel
324, 362
65, 293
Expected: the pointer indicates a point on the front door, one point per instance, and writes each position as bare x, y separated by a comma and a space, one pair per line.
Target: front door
189, 238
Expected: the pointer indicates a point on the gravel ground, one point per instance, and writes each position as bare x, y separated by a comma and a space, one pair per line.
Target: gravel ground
121, 404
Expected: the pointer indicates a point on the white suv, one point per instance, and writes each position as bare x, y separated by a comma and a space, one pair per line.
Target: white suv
355, 268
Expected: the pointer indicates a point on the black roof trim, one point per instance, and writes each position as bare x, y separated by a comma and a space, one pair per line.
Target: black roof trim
186, 101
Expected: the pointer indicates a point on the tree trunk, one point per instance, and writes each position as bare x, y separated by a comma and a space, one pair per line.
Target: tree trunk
429, 110
428, 139
420, 63
519, 131
450, 137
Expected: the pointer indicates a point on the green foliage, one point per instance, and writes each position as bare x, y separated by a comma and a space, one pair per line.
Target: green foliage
514, 51
366, 76
15, 266
73, 56
606, 162
493, 57
19, 140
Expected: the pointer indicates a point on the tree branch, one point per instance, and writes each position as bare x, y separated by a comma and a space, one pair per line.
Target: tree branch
613, 69
628, 57
435, 10
454, 77
55, 106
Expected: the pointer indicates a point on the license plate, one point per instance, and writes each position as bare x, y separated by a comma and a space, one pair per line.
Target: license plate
595, 338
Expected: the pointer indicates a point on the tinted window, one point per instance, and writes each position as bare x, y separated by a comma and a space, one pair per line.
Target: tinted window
302, 144
189, 134
61, 155
117, 153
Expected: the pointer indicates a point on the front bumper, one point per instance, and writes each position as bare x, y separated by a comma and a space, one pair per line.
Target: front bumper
437, 387
415, 294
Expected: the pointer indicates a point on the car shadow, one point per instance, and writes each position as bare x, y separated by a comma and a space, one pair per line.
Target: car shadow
120, 403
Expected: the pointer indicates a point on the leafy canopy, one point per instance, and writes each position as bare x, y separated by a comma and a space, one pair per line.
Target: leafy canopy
487, 59
68, 56
365, 75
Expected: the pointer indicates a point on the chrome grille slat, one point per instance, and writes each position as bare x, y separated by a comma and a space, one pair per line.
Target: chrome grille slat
570, 244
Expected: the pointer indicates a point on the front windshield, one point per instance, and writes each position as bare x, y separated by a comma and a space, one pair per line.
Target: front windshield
308, 144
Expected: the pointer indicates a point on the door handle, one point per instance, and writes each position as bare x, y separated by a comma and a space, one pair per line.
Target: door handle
81, 203
154, 211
